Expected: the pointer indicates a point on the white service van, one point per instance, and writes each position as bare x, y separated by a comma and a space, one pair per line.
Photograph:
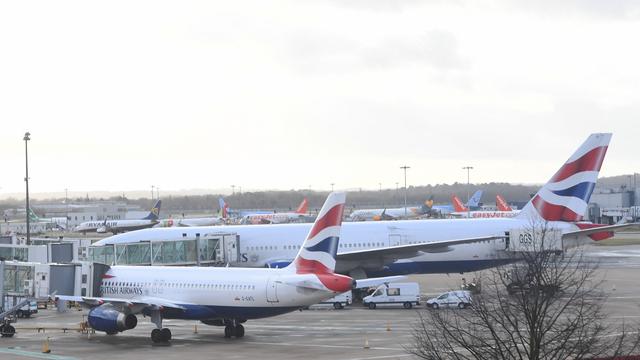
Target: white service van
339, 301
451, 299
406, 294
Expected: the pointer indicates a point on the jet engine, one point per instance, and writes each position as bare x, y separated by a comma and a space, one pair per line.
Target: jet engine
106, 318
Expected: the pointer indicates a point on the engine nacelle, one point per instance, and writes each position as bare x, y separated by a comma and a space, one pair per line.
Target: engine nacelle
106, 318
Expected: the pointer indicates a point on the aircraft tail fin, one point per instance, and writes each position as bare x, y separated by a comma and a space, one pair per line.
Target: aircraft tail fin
303, 207
566, 195
224, 208
318, 253
501, 204
155, 211
32, 216
474, 201
457, 204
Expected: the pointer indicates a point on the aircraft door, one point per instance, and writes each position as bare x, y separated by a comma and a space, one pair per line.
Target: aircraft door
272, 290
394, 239
232, 248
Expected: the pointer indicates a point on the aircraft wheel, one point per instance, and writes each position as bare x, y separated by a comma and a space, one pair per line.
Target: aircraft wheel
372, 306
407, 305
9, 330
228, 331
165, 334
239, 331
156, 336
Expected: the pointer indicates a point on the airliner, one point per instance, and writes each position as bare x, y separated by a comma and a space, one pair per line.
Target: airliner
410, 212
279, 218
204, 221
224, 296
386, 248
463, 211
118, 226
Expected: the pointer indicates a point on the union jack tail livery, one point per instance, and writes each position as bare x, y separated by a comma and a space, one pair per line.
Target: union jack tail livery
502, 205
318, 253
304, 206
566, 195
457, 204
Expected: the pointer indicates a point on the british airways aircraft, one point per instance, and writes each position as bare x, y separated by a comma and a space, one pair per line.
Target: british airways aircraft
384, 248
117, 226
224, 296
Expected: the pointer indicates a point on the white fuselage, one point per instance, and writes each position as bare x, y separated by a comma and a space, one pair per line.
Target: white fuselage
485, 214
274, 218
210, 293
375, 214
205, 221
114, 226
276, 245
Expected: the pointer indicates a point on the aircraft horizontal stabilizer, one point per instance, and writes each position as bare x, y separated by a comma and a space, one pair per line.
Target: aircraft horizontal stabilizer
601, 229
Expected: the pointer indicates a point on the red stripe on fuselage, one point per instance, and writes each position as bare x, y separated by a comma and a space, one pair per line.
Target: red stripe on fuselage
333, 217
551, 212
591, 161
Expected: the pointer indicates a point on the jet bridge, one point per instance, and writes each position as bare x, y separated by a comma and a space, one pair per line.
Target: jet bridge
208, 249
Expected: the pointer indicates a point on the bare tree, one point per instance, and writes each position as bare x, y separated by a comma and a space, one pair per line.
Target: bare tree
548, 305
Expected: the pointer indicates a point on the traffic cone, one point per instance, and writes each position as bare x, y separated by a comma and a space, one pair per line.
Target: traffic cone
366, 342
45, 346
388, 325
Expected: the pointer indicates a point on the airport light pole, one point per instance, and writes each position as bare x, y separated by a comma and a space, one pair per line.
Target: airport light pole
66, 204
158, 192
26, 181
152, 187
468, 168
405, 167
332, 186
233, 189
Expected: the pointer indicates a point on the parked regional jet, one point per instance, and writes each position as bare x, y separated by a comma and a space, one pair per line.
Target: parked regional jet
411, 211
204, 221
225, 296
118, 226
278, 218
383, 248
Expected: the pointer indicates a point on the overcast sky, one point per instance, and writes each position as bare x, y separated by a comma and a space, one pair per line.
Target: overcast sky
120, 95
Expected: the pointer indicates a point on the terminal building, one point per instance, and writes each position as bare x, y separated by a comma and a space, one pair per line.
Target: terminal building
611, 205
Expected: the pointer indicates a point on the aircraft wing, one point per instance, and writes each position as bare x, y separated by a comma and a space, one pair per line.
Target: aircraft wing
372, 282
601, 229
393, 253
145, 302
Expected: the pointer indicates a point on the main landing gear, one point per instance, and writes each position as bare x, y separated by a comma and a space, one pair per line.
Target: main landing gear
233, 328
159, 334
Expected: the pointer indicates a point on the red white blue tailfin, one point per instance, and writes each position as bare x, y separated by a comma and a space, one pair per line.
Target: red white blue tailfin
318, 253
566, 195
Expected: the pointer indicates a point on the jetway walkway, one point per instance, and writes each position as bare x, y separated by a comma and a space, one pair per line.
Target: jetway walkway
214, 249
